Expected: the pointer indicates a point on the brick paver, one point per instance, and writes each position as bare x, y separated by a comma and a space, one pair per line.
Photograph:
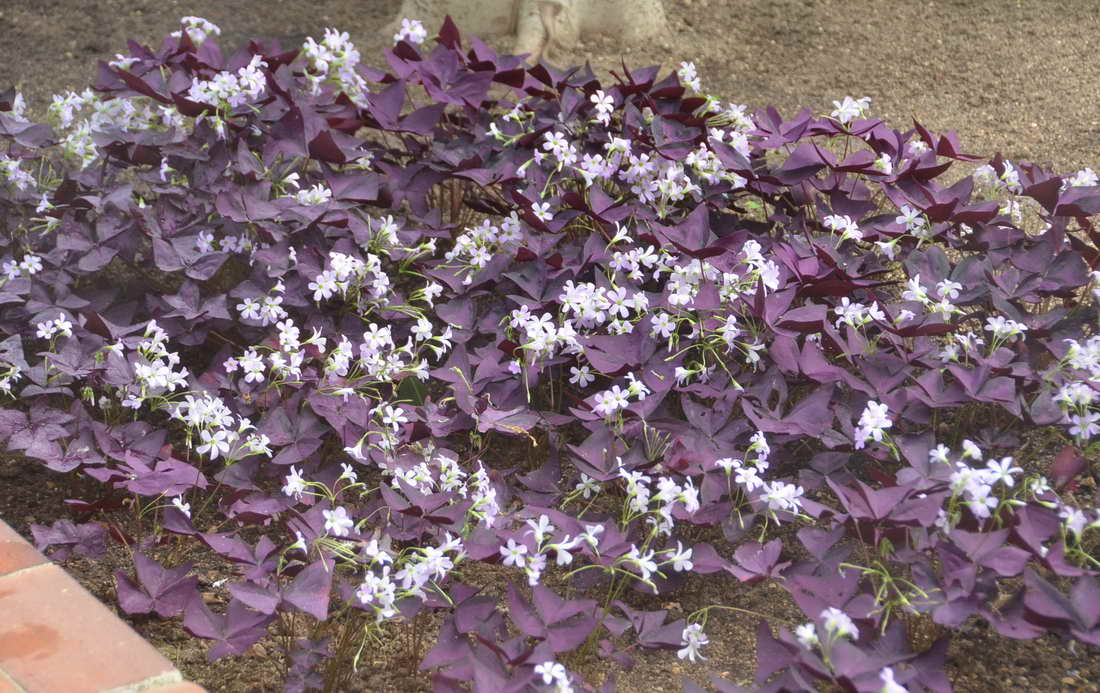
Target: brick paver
16, 553
55, 637
7, 686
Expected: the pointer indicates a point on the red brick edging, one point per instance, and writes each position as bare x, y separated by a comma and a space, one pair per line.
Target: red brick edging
55, 637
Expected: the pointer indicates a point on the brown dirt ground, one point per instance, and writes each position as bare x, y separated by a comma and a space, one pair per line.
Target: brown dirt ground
1015, 76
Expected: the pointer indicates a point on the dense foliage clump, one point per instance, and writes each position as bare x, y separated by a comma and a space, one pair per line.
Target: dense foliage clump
352, 331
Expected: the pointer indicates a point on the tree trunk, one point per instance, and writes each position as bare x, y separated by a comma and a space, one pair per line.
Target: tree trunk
540, 26
530, 31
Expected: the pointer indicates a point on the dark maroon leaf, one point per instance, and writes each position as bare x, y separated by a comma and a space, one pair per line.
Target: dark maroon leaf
233, 632
1067, 464
163, 590
64, 538
757, 561
310, 589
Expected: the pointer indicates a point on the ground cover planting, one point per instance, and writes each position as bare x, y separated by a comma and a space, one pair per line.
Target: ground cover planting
356, 332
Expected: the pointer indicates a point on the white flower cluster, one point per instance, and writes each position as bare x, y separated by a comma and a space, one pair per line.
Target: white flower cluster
378, 590
30, 265
652, 179
1084, 178
632, 261
219, 431
642, 561
412, 30
914, 221
605, 104
204, 411
736, 116
155, 370
1077, 396
338, 522
975, 485
204, 243
960, 343
335, 59
658, 181
9, 375
18, 109
872, 424
672, 184
317, 194
420, 567
884, 164
268, 311
689, 76
61, 326
484, 496
1076, 521
685, 280
848, 110
592, 306
918, 147
856, 314
610, 402
131, 114
198, 29
380, 360
11, 173
439, 471
542, 338
1003, 329
710, 168
474, 249
558, 147
123, 113
554, 674
945, 289
216, 443
1009, 180
385, 235
640, 498
285, 362
429, 564
728, 331
763, 270
684, 285
350, 274
295, 484
1085, 356
534, 562
849, 230
835, 623
692, 639
778, 496
838, 624
227, 90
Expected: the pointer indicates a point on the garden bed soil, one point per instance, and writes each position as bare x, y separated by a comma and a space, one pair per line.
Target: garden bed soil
1011, 76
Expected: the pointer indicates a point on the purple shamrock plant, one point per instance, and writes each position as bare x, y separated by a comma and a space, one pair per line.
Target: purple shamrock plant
351, 330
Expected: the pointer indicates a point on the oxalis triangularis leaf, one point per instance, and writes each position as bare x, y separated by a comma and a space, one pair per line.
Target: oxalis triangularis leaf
167, 591
233, 633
